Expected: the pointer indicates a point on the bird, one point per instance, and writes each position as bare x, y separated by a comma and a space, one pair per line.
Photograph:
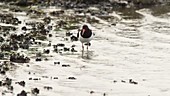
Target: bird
85, 35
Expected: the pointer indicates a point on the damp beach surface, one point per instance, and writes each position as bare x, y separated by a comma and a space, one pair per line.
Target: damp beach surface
130, 58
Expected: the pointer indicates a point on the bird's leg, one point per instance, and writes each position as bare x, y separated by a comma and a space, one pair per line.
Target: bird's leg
87, 50
82, 49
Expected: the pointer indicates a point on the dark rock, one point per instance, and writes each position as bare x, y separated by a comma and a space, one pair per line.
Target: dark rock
132, 82
56, 63
123, 81
8, 81
30, 78
10, 88
68, 33
65, 65
36, 79
24, 28
23, 93
114, 81
0, 83
66, 49
73, 50
47, 51
50, 35
73, 46
46, 59
91, 92
44, 76
74, 38
60, 44
72, 78
35, 91
55, 78
48, 88
22, 83
38, 59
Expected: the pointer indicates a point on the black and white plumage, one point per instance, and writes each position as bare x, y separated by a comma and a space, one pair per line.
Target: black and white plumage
85, 35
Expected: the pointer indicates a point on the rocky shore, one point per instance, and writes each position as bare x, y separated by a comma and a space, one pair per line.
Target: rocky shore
30, 29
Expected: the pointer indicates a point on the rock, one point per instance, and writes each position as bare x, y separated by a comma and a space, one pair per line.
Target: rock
10, 88
123, 81
73, 45
0, 83
47, 51
30, 78
91, 92
46, 59
61, 44
44, 76
35, 91
68, 33
8, 81
36, 79
38, 59
22, 83
55, 78
132, 82
114, 81
66, 49
56, 63
65, 65
72, 78
24, 28
23, 93
73, 50
50, 35
48, 88
74, 38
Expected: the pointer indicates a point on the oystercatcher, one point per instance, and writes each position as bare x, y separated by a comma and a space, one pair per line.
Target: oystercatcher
85, 35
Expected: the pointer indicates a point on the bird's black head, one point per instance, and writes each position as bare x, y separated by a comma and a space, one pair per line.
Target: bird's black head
85, 27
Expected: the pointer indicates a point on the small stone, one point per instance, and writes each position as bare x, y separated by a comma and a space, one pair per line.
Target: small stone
91, 92
132, 82
44, 76
23, 93
46, 59
30, 78
123, 81
56, 63
55, 78
3, 72
22, 83
36, 79
50, 35
114, 81
66, 49
65, 65
38, 59
0, 83
11, 88
72, 78
48, 88
35, 91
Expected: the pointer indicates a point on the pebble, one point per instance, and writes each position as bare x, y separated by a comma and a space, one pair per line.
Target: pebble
72, 78
65, 65
35, 91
